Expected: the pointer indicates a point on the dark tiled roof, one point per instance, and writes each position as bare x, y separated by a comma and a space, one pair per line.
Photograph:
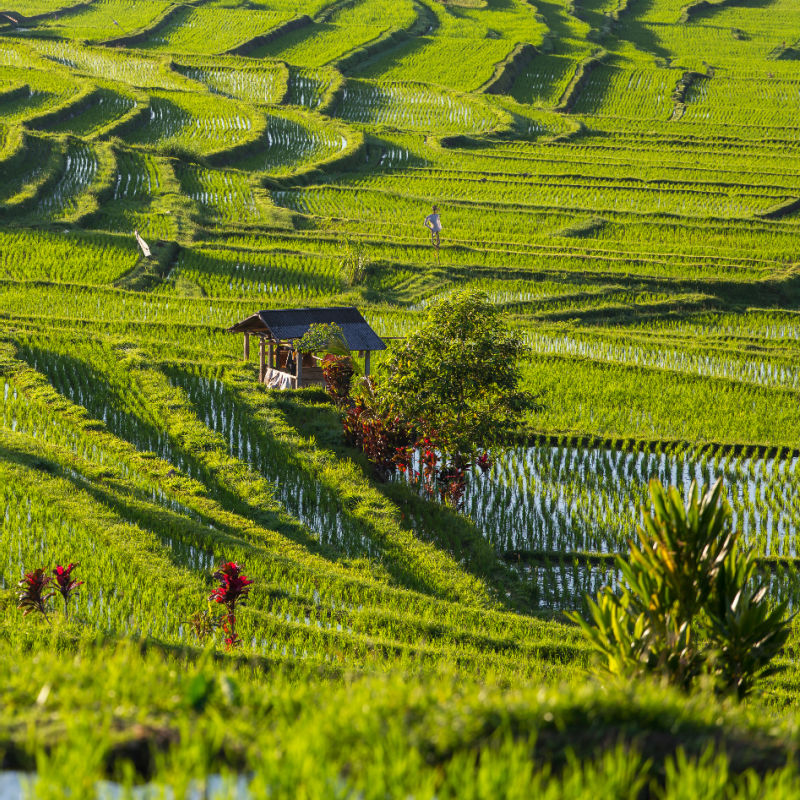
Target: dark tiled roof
292, 323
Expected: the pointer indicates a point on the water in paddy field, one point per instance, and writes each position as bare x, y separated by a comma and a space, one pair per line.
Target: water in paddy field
22, 786
305, 90
80, 167
564, 584
543, 506
556, 498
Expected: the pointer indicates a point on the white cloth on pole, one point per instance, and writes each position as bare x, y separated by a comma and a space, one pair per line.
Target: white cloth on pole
276, 379
143, 244
433, 222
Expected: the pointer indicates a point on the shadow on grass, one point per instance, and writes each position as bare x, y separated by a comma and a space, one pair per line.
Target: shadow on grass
81, 384
311, 414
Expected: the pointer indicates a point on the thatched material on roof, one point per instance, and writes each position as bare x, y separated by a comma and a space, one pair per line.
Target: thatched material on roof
282, 325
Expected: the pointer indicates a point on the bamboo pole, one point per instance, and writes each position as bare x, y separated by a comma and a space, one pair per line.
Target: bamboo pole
299, 369
261, 359
366, 363
247, 347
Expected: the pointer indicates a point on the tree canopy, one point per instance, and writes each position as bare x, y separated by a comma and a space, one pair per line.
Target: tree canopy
458, 376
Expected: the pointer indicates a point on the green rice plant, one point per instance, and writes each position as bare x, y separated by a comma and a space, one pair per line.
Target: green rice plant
733, 424
237, 78
639, 94
272, 277
771, 370
29, 165
751, 102
310, 87
97, 112
32, 8
544, 80
142, 194
71, 257
80, 168
295, 140
440, 56
222, 194
105, 19
14, 54
196, 124
30, 92
413, 107
212, 28
137, 176
445, 57
105, 63
345, 29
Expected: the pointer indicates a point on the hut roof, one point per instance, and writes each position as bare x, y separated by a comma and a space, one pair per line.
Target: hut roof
292, 323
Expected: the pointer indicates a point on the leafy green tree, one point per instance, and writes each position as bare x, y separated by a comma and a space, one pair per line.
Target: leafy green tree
458, 376
324, 337
690, 603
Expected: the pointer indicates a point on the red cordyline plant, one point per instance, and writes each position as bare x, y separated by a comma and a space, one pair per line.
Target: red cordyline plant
338, 373
234, 588
389, 443
65, 584
385, 439
35, 596
441, 474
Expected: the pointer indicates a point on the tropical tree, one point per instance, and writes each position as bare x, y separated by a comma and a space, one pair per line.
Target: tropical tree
445, 395
458, 376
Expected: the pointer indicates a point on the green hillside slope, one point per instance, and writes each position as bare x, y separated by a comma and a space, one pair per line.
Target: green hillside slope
622, 178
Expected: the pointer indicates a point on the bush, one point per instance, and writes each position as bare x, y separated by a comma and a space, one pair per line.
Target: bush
338, 373
690, 603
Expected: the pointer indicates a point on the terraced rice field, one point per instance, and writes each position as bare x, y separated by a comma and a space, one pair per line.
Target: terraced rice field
622, 179
212, 28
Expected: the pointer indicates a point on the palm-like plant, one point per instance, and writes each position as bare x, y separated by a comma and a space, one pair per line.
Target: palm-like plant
690, 601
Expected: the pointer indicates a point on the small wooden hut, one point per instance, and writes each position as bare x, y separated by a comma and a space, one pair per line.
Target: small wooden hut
280, 364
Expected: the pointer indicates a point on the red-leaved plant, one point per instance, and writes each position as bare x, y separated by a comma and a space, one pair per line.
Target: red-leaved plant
385, 439
390, 443
338, 373
35, 596
484, 462
233, 589
65, 584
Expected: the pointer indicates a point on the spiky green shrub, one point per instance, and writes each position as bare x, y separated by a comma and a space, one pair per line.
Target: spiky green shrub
690, 603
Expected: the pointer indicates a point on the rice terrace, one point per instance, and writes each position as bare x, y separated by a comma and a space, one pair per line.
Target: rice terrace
400, 399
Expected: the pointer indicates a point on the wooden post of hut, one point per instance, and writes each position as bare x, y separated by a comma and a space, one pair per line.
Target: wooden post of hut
247, 347
298, 371
366, 364
262, 367
271, 362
